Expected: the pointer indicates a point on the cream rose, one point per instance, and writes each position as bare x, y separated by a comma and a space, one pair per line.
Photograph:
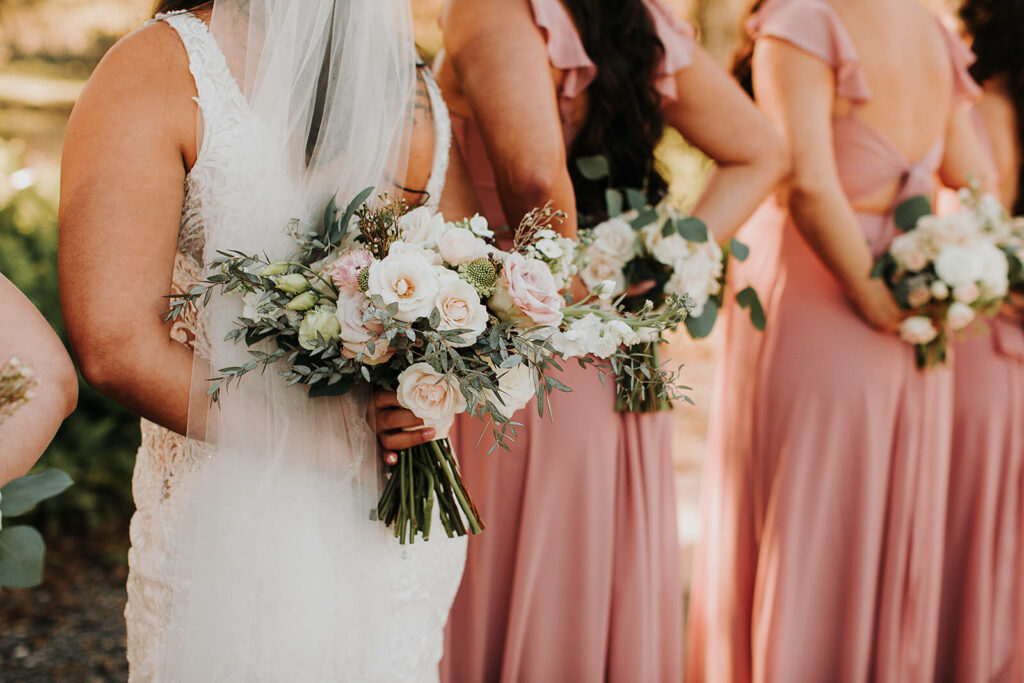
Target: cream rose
667, 250
617, 239
460, 308
458, 246
918, 330
526, 291
431, 397
516, 387
959, 315
405, 278
422, 226
957, 265
599, 269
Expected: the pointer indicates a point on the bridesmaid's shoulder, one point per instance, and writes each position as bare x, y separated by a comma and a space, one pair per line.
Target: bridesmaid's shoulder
462, 19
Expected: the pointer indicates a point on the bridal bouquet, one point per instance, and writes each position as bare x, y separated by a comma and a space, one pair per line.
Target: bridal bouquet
673, 254
408, 301
946, 270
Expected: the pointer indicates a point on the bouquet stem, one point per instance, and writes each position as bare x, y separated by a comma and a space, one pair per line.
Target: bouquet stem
422, 473
636, 389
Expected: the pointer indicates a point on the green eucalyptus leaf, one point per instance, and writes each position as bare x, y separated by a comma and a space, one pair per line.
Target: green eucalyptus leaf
338, 388
21, 557
669, 228
339, 229
739, 250
749, 299
637, 200
908, 213
613, 200
644, 219
330, 213
21, 495
701, 327
593, 168
692, 229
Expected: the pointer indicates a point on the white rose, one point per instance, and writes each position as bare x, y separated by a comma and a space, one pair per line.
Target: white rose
407, 279
967, 293
617, 239
939, 290
460, 308
431, 256
667, 250
951, 229
995, 270
918, 330
432, 397
319, 322
698, 275
516, 387
478, 224
959, 315
458, 246
957, 265
908, 252
602, 269
422, 226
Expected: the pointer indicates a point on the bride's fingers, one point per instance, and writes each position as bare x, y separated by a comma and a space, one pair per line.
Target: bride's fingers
399, 441
383, 399
397, 418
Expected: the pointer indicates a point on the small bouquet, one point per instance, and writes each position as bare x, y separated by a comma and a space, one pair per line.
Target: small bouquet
946, 269
672, 252
408, 301
17, 384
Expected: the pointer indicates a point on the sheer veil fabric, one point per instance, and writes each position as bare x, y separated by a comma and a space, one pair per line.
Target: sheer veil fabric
278, 572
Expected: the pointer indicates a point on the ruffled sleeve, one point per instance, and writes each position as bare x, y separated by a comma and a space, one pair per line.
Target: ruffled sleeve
965, 88
567, 54
814, 27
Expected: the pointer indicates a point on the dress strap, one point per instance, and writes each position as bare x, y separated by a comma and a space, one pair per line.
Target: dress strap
814, 27
965, 88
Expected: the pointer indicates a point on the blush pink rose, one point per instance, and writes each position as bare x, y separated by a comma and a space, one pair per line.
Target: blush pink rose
527, 289
345, 271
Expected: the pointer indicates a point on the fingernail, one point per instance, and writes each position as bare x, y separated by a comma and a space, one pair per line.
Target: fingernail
429, 433
391, 459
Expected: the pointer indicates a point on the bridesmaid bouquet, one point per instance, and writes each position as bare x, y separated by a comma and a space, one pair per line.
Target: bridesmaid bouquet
946, 269
672, 252
432, 309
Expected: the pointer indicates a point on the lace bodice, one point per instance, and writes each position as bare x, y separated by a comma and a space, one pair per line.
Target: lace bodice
224, 166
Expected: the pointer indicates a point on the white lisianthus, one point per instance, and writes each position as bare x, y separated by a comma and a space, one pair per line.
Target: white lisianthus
918, 330
589, 336
406, 278
422, 226
431, 396
516, 387
320, 322
957, 265
605, 289
460, 308
667, 250
292, 283
602, 269
959, 315
458, 246
478, 225
616, 239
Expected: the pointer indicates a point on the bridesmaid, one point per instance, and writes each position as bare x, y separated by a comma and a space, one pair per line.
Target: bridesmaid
982, 625
25, 335
825, 489
577, 577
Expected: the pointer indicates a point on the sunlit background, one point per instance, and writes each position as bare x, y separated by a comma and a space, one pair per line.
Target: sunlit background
71, 628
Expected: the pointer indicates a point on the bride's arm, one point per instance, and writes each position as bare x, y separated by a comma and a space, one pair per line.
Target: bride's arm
129, 141
25, 335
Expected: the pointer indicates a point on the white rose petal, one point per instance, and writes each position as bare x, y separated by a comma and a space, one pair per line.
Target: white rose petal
959, 315
422, 226
460, 308
617, 239
432, 397
667, 250
478, 224
516, 387
458, 246
918, 330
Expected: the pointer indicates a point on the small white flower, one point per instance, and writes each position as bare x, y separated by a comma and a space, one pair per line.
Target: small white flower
940, 291
918, 330
478, 224
967, 293
588, 336
516, 387
959, 315
549, 248
601, 269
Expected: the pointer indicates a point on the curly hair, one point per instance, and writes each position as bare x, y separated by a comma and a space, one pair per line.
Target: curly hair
163, 6
997, 27
624, 122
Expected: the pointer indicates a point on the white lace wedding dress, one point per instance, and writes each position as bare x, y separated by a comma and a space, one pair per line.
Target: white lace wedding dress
420, 580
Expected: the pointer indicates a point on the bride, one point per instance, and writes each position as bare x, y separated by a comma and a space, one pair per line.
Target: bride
253, 555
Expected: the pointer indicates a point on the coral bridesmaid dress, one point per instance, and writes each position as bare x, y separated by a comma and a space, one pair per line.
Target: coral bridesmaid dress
981, 634
824, 496
577, 576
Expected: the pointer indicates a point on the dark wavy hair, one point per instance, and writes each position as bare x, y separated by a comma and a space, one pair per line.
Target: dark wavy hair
624, 122
997, 27
742, 68
162, 6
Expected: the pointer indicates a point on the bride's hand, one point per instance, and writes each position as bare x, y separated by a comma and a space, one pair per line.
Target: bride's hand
390, 420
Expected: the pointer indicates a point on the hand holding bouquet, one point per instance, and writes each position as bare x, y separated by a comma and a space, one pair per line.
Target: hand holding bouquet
407, 301
946, 270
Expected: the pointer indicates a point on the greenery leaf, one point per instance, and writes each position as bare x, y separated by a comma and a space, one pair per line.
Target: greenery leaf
692, 229
749, 299
645, 218
613, 200
701, 327
339, 229
739, 250
21, 495
593, 168
637, 200
669, 228
21, 557
339, 388
911, 211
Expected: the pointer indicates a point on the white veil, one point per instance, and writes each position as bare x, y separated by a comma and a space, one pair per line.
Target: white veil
273, 576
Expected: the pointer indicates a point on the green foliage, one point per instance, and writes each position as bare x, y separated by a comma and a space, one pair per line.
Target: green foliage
908, 213
22, 549
96, 445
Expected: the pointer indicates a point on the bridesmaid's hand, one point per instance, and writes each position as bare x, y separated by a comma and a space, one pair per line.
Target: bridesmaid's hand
877, 306
1014, 308
396, 426
640, 288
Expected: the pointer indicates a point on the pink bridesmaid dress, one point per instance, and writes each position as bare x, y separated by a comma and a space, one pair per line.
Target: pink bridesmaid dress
823, 503
981, 633
577, 576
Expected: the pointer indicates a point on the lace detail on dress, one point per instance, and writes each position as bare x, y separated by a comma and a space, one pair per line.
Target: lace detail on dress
442, 139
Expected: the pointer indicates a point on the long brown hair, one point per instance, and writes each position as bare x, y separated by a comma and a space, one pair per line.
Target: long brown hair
998, 30
163, 6
624, 122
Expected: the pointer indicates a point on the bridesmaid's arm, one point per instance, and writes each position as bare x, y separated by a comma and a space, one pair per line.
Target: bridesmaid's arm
128, 143
965, 159
714, 114
501, 60
999, 118
25, 335
797, 92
